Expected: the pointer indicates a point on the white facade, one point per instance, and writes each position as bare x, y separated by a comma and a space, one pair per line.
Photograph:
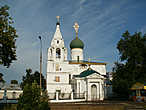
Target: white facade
62, 82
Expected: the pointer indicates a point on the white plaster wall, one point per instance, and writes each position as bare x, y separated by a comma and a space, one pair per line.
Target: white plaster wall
99, 68
64, 77
66, 69
10, 93
76, 52
64, 88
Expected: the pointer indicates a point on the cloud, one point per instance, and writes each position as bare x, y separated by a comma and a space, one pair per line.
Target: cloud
82, 1
143, 29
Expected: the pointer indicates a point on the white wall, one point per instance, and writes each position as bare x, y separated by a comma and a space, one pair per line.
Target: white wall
77, 52
10, 94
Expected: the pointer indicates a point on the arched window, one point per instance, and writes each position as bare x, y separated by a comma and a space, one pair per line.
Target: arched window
58, 53
51, 51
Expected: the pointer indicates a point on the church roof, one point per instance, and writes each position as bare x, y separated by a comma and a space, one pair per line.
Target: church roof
86, 62
76, 43
57, 34
87, 72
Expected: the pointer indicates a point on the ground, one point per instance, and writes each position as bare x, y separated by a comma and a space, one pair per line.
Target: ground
105, 105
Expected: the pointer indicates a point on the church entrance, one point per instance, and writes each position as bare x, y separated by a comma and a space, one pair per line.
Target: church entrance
93, 92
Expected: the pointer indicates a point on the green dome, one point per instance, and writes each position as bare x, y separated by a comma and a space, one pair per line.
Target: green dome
76, 43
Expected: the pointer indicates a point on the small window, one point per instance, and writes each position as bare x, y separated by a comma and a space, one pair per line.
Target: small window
57, 78
57, 41
69, 78
57, 67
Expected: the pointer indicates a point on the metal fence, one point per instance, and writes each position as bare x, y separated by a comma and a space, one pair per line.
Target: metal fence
64, 96
78, 95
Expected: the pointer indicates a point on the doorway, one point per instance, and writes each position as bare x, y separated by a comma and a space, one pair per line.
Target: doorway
93, 92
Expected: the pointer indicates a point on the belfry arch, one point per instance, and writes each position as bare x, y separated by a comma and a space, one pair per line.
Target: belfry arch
58, 53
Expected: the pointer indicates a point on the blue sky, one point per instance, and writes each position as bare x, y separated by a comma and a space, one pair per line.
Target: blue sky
102, 23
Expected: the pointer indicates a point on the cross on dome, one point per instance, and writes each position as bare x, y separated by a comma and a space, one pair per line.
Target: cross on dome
76, 27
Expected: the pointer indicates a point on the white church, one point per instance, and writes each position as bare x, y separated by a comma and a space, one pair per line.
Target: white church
76, 79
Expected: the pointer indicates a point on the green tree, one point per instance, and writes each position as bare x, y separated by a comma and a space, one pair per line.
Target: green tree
131, 69
31, 98
1, 78
14, 82
30, 78
7, 38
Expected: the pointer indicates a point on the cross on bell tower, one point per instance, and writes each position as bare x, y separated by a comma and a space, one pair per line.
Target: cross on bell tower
58, 20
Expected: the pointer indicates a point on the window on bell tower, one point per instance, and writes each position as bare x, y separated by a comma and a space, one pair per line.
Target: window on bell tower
58, 53
57, 67
57, 78
51, 51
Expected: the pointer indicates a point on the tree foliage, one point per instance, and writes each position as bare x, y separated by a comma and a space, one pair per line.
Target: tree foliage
14, 82
1, 78
131, 69
31, 99
30, 78
7, 37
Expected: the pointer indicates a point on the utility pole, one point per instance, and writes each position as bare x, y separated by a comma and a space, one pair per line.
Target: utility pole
40, 62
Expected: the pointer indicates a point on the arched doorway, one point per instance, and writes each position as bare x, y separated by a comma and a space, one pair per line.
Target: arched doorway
93, 92
14, 95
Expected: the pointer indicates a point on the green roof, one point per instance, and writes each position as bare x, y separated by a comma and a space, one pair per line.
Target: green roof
76, 43
87, 72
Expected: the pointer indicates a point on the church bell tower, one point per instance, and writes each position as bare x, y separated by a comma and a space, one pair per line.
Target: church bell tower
57, 52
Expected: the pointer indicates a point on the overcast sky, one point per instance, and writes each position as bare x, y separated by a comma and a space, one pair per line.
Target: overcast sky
102, 23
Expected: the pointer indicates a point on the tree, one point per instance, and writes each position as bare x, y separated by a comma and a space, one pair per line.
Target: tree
1, 78
14, 82
31, 99
7, 38
131, 69
30, 78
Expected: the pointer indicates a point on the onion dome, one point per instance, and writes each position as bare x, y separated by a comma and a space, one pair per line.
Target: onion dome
76, 43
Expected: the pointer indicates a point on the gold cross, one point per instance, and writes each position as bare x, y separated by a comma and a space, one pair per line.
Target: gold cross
76, 27
58, 17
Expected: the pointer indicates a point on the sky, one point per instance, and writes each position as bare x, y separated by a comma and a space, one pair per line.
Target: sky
101, 22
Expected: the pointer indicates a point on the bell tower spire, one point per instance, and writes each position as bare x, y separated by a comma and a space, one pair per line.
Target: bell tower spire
57, 52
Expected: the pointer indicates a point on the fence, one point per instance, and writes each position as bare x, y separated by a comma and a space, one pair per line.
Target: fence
66, 96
